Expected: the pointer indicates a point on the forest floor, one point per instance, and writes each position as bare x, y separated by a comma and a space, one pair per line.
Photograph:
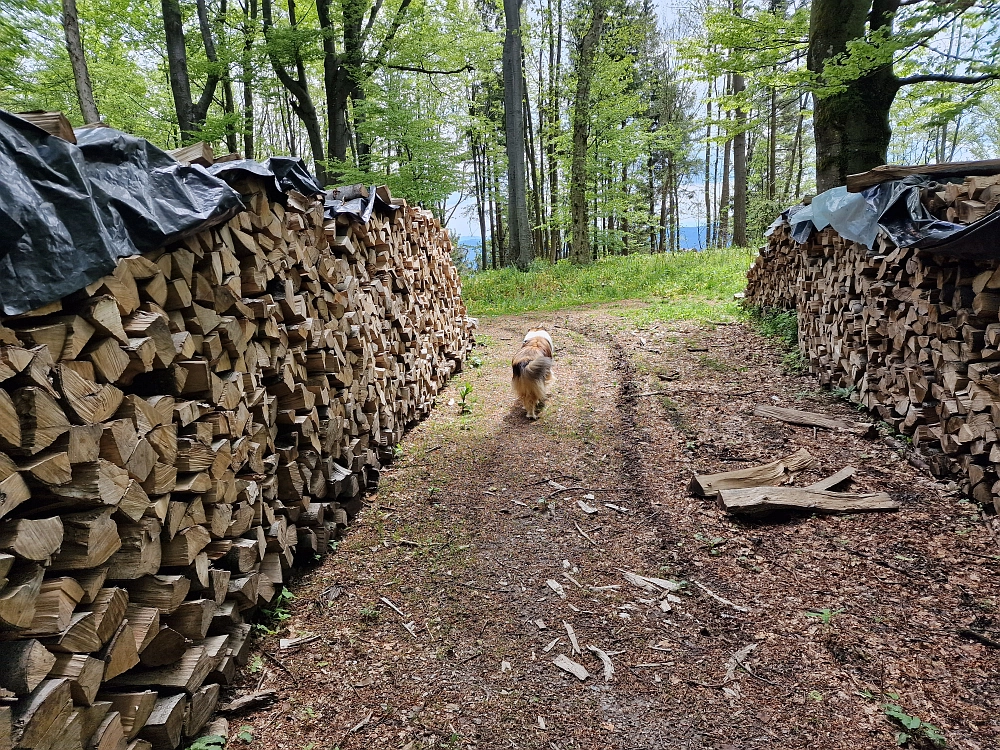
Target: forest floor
846, 615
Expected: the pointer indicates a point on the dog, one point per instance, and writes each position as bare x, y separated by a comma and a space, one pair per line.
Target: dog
532, 366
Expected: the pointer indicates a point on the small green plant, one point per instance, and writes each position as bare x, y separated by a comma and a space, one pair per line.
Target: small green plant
782, 325
370, 613
397, 451
913, 727
333, 544
245, 734
256, 664
816, 695
464, 392
276, 613
309, 711
844, 394
795, 363
825, 616
474, 360
209, 742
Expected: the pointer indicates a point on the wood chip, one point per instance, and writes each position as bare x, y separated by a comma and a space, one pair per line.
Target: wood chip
609, 668
720, 599
572, 637
247, 702
392, 606
568, 665
551, 645
652, 585
834, 479
557, 587
586, 508
293, 642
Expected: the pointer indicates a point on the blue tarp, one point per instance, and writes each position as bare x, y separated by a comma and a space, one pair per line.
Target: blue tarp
892, 207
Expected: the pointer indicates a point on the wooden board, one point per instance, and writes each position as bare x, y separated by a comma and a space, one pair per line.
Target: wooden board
757, 500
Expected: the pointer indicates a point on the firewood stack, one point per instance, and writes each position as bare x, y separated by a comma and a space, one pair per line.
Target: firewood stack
176, 434
913, 336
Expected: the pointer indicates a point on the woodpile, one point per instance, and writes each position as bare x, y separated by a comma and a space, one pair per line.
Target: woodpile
175, 435
911, 335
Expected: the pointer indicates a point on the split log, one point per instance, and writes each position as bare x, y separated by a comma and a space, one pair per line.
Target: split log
756, 500
23, 665
776, 472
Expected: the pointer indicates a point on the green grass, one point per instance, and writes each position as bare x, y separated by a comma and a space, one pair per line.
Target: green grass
678, 286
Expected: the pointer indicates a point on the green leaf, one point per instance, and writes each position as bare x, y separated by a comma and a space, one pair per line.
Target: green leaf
902, 738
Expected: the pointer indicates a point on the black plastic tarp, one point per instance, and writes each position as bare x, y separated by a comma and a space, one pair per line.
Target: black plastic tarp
892, 207
69, 212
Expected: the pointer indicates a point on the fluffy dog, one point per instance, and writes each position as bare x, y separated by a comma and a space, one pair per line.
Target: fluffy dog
532, 366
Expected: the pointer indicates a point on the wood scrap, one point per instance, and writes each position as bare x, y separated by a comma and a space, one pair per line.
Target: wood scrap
773, 473
756, 500
810, 419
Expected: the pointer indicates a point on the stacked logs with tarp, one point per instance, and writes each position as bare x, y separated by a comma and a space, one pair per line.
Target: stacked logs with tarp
912, 335
175, 435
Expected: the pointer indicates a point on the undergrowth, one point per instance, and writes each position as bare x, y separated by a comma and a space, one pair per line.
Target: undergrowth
783, 326
679, 286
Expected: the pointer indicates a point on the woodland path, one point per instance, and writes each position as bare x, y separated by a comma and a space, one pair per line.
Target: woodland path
465, 531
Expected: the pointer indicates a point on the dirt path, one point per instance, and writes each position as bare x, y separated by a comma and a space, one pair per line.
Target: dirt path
842, 615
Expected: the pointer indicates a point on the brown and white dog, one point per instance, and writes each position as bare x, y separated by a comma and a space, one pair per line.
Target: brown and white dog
532, 366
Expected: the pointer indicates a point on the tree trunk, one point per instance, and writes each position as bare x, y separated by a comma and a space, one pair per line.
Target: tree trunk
851, 127
177, 69
81, 75
555, 67
521, 251
723, 213
298, 87
247, 70
536, 192
708, 172
739, 170
580, 251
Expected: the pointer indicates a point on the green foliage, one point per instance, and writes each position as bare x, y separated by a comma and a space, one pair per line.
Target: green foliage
913, 727
687, 285
464, 392
370, 613
782, 325
245, 735
275, 613
825, 616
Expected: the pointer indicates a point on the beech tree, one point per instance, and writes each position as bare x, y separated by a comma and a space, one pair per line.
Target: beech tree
855, 48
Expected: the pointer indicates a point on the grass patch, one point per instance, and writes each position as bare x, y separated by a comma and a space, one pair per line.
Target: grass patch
678, 286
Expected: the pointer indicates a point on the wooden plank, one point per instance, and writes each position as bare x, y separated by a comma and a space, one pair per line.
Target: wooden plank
887, 172
756, 500
811, 419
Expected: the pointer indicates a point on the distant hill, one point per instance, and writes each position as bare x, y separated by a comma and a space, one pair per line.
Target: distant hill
692, 238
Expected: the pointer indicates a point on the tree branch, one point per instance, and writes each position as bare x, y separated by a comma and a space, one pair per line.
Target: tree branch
383, 48
948, 78
371, 21
422, 69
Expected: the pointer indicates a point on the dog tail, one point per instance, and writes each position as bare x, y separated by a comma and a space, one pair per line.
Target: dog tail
536, 369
